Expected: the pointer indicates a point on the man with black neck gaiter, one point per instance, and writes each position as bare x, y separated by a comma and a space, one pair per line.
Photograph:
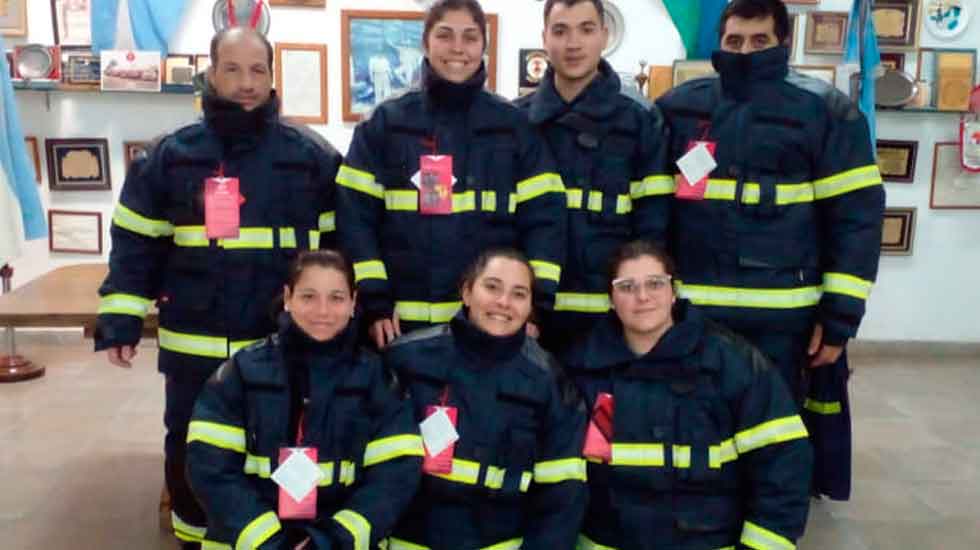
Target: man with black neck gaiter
206, 225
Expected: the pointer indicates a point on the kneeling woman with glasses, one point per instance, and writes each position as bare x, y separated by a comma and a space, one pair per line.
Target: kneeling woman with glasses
694, 441
302, 440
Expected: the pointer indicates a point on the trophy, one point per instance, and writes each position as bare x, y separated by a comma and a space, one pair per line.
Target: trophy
642, 77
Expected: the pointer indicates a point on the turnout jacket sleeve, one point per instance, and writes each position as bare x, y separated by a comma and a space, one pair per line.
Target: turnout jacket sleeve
142, 238
774, 457
216, 452
851, 200
360, 208
559, 493
652, 184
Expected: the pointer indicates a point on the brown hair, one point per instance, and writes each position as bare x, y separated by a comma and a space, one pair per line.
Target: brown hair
476, 268
438, 10
328, 259
599, 8
637, 249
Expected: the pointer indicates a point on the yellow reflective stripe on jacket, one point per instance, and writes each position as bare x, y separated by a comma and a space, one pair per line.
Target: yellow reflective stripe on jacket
427, 312
261, 238
196, 344
770, 433
651, 186
287, 237
314, 240
258, 531
585, 543
786, 193
124, 304
822, 407
582, 302
845, 182
346, 477
464, 202
327, 221
399, 544
512, 544
488, 201
557, 471
258, 465
137, 223
849, 285
494, 478
722, 453
574, 199
370, 269
223, 436
637, 454
464, 471
401, 200
391, 447
760, 538
358, 526
624, 204
250, 237
546, 270
185, 531
212, 545
680, 456
359, 180
526, 478
191, 235
771, 298
534, 187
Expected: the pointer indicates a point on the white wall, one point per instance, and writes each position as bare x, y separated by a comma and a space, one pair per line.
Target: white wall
930, 295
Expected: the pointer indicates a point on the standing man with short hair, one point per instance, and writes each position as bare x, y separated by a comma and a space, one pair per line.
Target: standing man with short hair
780, 240
205, 226
611, 154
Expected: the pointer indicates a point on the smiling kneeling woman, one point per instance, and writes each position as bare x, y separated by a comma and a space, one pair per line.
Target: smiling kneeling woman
515, 477
694, 442
306, 388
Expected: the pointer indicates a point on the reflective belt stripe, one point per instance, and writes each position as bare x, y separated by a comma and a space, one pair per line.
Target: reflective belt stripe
327, 221
185, 531
395, 446
149, 227
223, 436
357, 525
258, 531
595, 201
488, 201
526, 478
789, 298
402, 200
464, 471
585, 543
760, 538
794, 193
399, 544
624, 204
258, 465
287, 237
652, 186
347, 473
427, 312
845, 182
582, 302
786, 193
770, 433
637, 454
261, 466
849, 285
359, 180
512, 544
494, 478
251, 237
719, 454
212, 545
314, 240
681, 456
370, 269
464, 202
195, 236
822, 407
573, 198
204, 346
534, 187
191, 235
546, 270
124, 304
557, 471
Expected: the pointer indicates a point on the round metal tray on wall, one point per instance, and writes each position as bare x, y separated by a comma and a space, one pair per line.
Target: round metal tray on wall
34, 61
243, 13
616, 25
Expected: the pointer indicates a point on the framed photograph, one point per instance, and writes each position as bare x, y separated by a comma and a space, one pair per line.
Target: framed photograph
897, 231
893, 60
533, 63
685, 70
130, 71
827, 73
301, 81
179, 70
13, 17
953, 187
896, 160
78, 164
83, 69
381, 56
896, 24
826, 32
946, 78
72, 20
201, 62
133, 150
35, 154
300, 3
78, 232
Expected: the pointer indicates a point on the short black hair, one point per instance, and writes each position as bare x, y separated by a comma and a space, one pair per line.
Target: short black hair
758, 9
220, 36
599, 8
438, 10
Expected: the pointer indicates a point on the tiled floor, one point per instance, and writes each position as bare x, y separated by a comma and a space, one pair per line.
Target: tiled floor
81, 465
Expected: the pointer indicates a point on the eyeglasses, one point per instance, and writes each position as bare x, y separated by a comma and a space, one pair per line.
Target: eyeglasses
651, 284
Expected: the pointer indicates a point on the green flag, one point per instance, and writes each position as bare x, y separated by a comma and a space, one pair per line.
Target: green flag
686, 15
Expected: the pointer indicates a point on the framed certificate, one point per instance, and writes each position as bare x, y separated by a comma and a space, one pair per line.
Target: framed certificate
35, 154
72, 21
83, 69
953, 188
13, 18
825, 32
897, 231
78, 164
685, 70
78, 232
896, 160
178, 70
896, 24
947, 77
301, 81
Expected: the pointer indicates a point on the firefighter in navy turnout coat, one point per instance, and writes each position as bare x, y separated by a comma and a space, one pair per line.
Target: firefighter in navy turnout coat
515, 479
696, 443
782, 242
611, 153
306, 386
214, 295
409, 253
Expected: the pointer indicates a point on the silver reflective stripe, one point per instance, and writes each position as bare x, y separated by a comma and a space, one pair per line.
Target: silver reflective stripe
681, 456
845, 182
124, 304
848, 285
185, 531
258, 531
258, 465
223, 436
287, 237
391, 447
760, 538
327, 221
358, 526
556, 471
770, 433
790, 298
464, 471
637, 454
149, 227
652, 186
533, 188
360, 180
719, 454
582, 302
495, 477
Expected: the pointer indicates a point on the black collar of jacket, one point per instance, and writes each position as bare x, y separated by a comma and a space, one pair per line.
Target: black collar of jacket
235, 125
740, 73
480, 346
442, 95
594, 101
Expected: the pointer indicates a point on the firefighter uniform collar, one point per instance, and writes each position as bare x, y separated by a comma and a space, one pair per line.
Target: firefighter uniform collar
230, 121
297, 344
739, 72
593, 102
441, 94
476, 343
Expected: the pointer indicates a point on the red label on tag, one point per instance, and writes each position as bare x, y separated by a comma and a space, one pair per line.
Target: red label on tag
685, 190
221, 208
293, 509
441, 463
436, 185
599, 435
